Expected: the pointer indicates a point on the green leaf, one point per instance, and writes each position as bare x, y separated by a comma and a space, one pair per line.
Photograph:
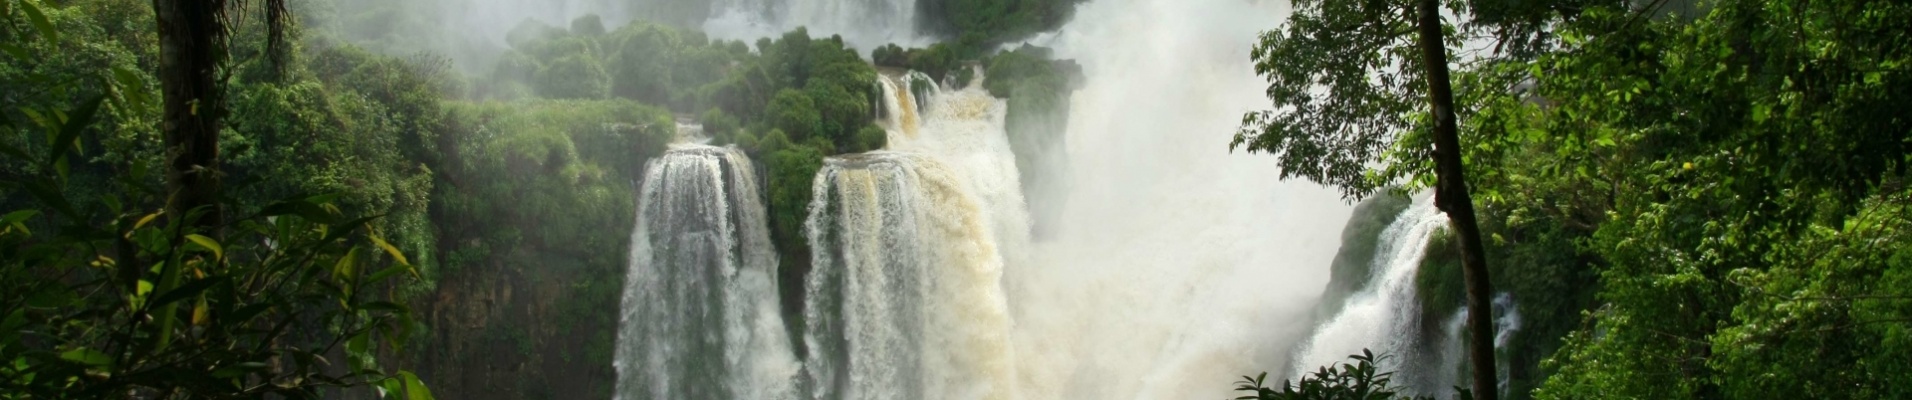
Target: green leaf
389, 249
39, 21
208, 244
324, 198
186, 291
387, 273
132, 86
145, 220
18, 53
69, 133
17, 220
340, 230
52, 197
87, 356
390, 387
303, 209
414, 389
347, 265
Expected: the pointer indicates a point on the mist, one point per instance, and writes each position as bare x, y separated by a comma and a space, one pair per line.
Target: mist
1177, 264
472, 33
1174, 264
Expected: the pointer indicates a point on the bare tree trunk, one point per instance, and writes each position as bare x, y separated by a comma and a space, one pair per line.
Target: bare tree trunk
191, 45
1450, 195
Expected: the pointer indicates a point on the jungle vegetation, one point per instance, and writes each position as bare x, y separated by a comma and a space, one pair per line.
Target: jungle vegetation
387, 220
1688, 199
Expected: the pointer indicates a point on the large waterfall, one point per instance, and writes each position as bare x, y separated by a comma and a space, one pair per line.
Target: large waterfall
1175, 267
904, 298
700, 314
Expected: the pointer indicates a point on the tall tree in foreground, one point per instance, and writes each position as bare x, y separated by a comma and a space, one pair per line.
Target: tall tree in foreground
1344, 77
192, 52
101, 297
191, 45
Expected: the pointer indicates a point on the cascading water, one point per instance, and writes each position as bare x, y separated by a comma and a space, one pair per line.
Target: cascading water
904, 298
1454, 352
700, 314
904, 96
1175, 266
1385, 316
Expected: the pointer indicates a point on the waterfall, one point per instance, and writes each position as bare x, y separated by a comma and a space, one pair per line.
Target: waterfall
700, 315
1175, 266
1385, 316
904, 96
1453, 361
904, 299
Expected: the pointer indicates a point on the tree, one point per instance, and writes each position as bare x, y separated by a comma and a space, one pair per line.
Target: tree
192, 47
1367, 57
110, 287
796, 114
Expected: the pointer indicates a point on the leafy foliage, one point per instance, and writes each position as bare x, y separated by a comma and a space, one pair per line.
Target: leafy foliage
1342, 97
102, 295
1357, 380
1692, 202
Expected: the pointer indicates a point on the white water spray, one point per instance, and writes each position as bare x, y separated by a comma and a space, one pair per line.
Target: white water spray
1385, 316
700, 316
1176, 266
904, 298
1454, 369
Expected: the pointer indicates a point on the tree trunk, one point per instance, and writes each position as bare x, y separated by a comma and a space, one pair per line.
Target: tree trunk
190, 49
1450, 195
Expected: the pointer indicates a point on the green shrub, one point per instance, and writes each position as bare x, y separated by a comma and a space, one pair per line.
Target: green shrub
1357, 380
870, 138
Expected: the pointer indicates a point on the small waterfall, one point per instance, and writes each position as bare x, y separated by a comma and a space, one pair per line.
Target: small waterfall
700, 315
900, 107
1385, 316
1454, 351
